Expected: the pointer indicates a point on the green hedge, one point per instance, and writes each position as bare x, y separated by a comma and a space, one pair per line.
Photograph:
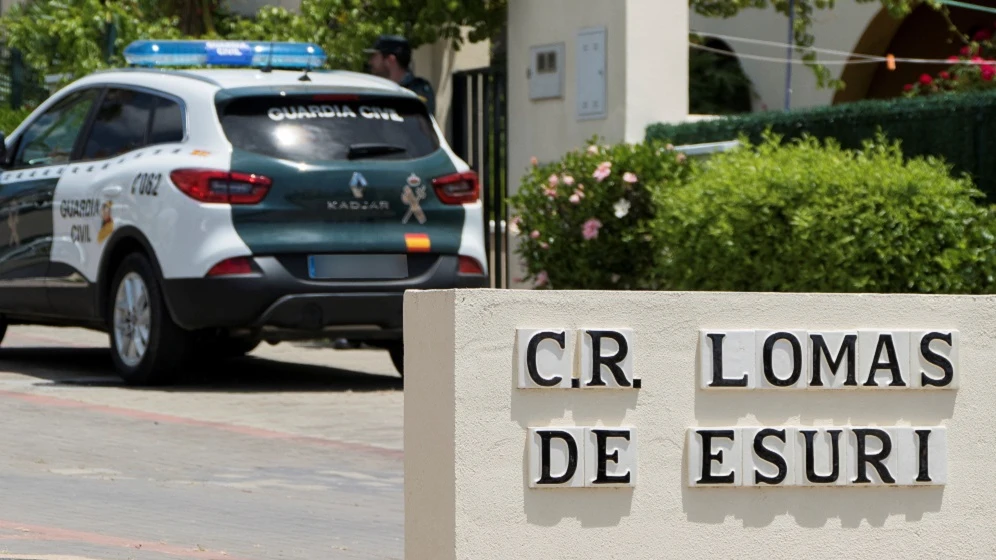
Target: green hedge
959, 128
810, 217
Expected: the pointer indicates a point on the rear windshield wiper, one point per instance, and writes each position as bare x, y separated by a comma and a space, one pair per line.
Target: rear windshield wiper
362, 150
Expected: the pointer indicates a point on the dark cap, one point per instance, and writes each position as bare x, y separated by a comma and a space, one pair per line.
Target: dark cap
390, 44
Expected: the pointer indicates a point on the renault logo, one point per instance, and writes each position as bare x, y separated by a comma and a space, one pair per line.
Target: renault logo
357, 184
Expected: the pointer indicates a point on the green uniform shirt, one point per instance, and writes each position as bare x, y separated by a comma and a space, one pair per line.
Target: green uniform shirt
422, 88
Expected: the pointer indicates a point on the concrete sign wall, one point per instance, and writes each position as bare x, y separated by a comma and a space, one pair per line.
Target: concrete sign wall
672, 425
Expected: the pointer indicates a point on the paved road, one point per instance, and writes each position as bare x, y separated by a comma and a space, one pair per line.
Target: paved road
292, 452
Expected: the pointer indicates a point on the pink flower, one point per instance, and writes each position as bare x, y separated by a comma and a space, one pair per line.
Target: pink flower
669, 147
535, 234
953, 59
544, 245
593, 149
681, 157
541, 278
568, 180
603, 171
553, 180
629, 177
575, 199
550, 192
590, 229
580, 193
533, 161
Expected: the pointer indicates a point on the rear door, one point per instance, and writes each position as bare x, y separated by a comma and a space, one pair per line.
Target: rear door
95, 191
349, 174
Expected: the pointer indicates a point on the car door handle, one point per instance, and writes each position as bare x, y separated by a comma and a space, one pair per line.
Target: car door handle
111, 191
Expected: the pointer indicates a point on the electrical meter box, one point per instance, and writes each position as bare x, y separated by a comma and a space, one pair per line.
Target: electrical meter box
546, 71
591, 79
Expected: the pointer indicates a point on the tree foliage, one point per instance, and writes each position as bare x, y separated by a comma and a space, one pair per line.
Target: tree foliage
72, 37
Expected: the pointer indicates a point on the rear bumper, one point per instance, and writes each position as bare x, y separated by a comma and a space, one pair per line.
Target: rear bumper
278, 300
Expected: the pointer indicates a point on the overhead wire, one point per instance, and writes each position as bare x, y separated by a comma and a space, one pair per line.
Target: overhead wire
778, 60
854, 58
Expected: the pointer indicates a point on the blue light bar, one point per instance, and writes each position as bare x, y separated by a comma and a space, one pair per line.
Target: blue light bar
257, 54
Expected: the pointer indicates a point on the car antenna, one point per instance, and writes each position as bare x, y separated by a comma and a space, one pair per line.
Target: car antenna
304, 77
269, 60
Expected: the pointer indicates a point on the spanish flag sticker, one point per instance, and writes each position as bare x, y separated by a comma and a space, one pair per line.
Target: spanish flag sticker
417, 242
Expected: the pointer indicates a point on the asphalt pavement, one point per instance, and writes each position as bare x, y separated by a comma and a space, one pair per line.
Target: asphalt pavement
293, 452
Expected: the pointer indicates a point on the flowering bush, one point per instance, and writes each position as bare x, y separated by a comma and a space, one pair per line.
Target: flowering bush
811, 217
585, 221
974, 68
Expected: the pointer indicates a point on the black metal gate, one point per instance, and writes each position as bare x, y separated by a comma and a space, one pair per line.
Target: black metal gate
479, 110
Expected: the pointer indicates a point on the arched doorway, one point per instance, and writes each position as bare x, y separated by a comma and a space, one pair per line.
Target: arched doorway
922, 34
717, 83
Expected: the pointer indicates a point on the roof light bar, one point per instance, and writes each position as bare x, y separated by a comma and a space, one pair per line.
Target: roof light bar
257, 54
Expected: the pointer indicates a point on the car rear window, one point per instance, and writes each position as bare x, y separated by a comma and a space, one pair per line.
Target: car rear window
326, 127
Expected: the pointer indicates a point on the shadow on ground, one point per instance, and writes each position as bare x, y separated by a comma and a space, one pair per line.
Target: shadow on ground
83, 367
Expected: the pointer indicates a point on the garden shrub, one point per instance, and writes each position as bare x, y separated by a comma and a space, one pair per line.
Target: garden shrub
806, 216
585, 222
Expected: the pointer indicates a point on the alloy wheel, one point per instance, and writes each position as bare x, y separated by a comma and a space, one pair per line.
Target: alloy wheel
132, 319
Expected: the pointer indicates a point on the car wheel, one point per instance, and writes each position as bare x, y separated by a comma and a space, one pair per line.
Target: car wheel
147, 347
397, 351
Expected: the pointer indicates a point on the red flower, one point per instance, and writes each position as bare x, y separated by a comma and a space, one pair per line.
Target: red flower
953, 59
908, 87
925, 79
965, 51
982, 35
945, 76
977, 59
988, 71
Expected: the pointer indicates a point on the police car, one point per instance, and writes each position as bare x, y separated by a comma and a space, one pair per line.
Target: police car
193, 213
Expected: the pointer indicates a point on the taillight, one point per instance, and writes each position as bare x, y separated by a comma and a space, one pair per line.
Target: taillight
212, 185
458, 188
470, 266
235, 265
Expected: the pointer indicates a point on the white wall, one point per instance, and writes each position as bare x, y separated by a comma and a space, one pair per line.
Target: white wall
466, 484
647, 71
836, 29
438, 61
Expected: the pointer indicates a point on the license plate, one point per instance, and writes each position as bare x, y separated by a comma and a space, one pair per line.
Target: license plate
358, 267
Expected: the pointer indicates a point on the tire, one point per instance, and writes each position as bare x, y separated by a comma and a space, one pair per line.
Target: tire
397, 351
145, 322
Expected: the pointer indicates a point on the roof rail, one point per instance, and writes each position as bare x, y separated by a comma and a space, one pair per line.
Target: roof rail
180, 73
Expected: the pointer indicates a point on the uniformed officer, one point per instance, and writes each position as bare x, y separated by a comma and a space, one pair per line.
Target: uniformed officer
389, 58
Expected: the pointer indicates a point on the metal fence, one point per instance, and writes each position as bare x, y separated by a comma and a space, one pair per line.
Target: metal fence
479, 110
19, 85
